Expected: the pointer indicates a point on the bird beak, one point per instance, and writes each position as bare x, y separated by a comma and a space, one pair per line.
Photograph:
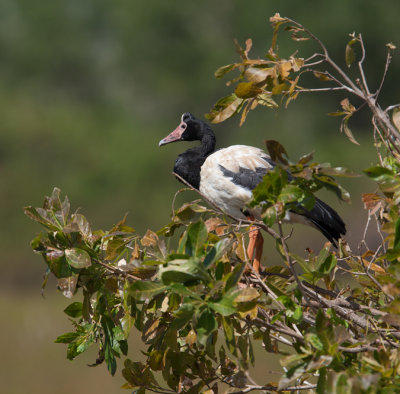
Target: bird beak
176, 135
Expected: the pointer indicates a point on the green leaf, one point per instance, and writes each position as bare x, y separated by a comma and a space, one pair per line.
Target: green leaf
67, 338
205, 325
180, 289
138, 374
270, 216
315, 341
220, 72
379, 174
396, 244
297, 314
40, 215
143, 290
325, 332
196, 238
83, 344
328, 265
78, 258
229, 335
291, 193
181, 271
57, 263
322, 256
182, 316
109, 344
74, 309
338, 171
304, 264
349, 53
216, 252
82, 225
233, 277
226, 305
109, 358
322, 385
343, 384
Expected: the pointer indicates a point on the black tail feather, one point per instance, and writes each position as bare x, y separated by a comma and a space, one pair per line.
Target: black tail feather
327, 220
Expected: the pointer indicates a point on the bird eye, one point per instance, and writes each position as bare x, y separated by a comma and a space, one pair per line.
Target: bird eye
183, 126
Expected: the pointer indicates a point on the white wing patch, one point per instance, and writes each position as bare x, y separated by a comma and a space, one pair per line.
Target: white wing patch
237, 156
221, 191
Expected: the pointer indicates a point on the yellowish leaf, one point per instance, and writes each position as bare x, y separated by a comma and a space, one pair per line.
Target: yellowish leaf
375, 267
246, 90
396, 118
191, 338
347, 131
259, 74
347, 106
321, 76
251, 314
284, 69
247, 294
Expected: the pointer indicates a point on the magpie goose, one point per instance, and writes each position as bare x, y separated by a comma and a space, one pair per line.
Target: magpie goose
228, 176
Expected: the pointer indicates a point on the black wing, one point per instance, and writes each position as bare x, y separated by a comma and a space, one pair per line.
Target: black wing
245, 177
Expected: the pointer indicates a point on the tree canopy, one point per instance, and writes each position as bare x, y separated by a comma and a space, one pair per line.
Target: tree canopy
330, 315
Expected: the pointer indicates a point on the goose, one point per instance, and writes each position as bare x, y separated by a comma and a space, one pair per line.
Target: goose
228, 176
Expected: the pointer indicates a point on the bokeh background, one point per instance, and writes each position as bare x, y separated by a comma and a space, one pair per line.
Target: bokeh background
88, 88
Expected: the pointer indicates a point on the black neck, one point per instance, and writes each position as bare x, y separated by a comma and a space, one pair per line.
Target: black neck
188, 164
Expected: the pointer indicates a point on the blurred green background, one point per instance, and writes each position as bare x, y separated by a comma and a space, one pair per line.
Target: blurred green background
88, 88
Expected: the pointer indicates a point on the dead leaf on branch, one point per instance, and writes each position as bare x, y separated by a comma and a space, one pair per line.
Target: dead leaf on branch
372, 202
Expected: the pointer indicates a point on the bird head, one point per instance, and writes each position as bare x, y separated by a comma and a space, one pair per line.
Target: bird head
188, 130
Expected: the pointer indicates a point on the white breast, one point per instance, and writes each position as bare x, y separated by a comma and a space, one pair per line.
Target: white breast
219, 189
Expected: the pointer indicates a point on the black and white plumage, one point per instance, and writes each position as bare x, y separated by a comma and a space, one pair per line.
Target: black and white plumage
228, 176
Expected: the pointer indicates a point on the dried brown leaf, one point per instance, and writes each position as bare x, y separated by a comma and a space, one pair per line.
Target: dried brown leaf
149, 239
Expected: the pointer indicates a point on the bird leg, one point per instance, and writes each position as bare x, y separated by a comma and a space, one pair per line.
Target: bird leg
255, 247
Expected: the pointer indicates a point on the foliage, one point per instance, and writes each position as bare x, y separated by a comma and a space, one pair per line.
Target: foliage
199, 312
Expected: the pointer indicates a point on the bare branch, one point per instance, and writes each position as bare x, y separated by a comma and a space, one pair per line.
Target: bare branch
391, 107
331, 89
249, 388
387, 64
360, 65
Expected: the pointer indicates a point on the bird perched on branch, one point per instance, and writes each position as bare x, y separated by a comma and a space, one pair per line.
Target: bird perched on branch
228, 176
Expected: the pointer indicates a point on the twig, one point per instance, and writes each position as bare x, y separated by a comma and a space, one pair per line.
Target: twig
360, 65
249, 388
306, 90
291, 264
377, 112
391, 107
117, 271
376, 283
282, 329
387, 63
